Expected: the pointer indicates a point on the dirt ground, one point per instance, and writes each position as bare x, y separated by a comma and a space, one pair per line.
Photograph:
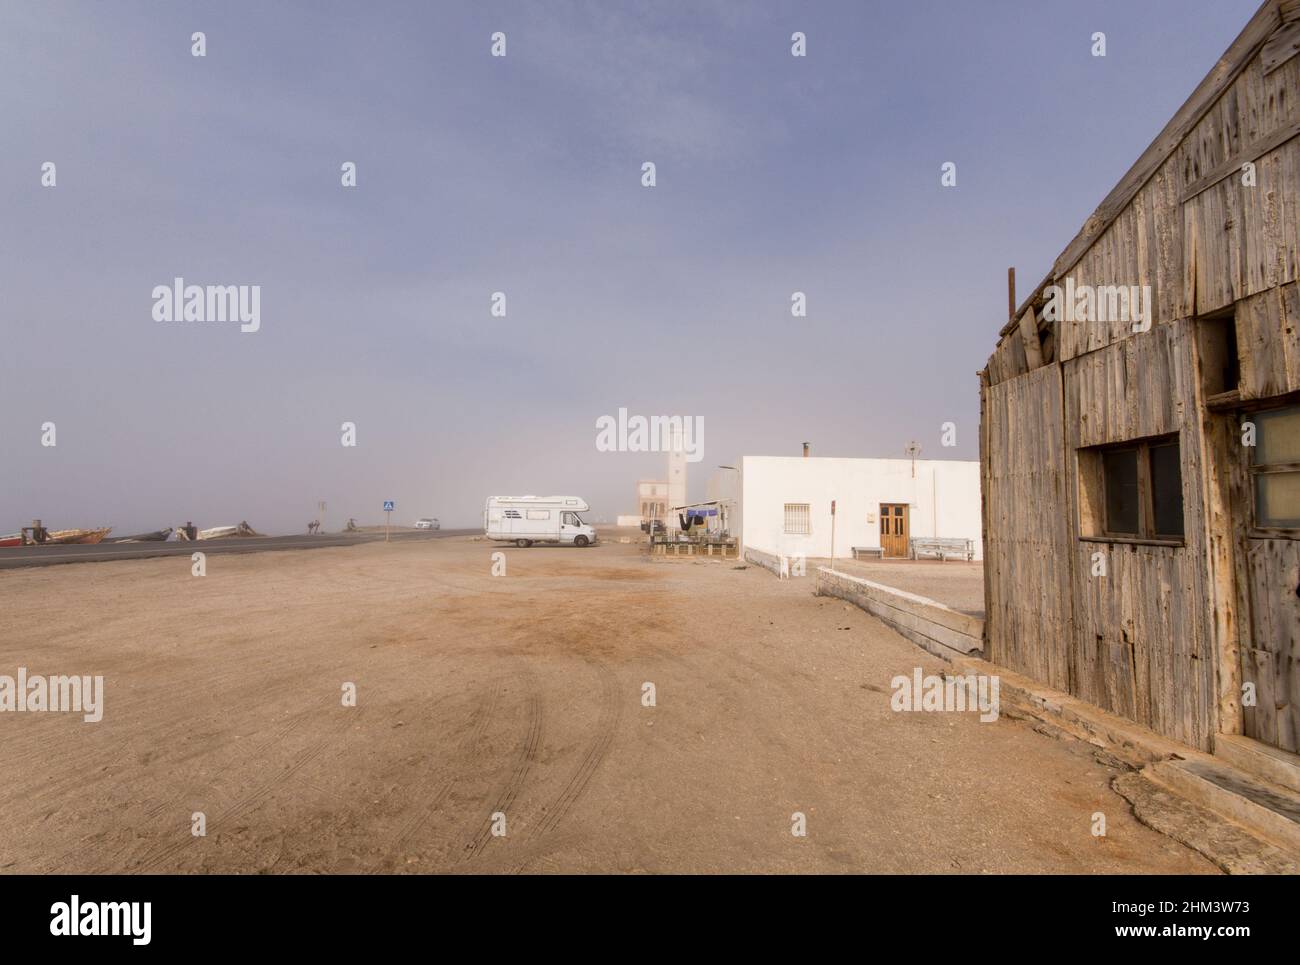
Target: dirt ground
518, 695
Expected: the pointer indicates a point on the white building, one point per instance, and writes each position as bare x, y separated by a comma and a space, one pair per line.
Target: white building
651, 502
784, 504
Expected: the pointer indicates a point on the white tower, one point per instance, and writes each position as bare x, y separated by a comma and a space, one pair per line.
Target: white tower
676, 479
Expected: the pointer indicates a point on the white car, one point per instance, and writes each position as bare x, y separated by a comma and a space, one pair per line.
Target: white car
427, 523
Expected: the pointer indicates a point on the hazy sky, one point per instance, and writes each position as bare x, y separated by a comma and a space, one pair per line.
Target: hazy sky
522, 174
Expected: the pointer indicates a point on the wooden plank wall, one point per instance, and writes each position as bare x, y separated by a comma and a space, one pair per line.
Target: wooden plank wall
1027, 549
1156, 641
1199, 252
1143, 645
1268, 342
1271, 656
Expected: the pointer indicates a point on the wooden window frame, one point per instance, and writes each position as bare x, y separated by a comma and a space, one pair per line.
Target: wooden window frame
1252, 471
1092, 495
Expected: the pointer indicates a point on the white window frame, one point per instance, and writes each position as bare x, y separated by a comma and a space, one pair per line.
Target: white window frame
792, 512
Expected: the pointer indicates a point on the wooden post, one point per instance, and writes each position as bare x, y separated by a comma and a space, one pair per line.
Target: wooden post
1011, 294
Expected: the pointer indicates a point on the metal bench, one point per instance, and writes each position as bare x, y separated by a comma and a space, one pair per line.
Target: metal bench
860, 551
943, 547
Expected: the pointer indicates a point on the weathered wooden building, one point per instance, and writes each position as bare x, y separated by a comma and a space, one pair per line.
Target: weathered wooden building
1141, 476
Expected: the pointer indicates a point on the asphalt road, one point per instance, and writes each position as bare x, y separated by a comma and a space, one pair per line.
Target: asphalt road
14, 557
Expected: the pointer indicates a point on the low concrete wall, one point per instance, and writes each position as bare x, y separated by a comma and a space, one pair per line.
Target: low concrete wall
940, 629
765, 560
795, 566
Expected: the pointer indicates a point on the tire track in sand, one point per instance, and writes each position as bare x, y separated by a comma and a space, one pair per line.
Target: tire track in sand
478, 721
539, 838
254, 796
530, 749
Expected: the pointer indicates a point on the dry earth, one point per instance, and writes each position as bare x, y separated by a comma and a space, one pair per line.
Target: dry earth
519, 694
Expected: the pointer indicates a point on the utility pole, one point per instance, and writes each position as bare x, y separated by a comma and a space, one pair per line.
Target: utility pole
832, 534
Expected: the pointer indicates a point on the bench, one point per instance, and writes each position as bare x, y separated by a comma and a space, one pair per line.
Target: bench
860, 551
943, 547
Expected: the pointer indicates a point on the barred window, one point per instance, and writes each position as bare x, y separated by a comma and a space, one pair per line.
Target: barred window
797, 519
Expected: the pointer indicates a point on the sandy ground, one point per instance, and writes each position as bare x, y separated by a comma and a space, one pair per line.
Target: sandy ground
519, 694
955, 583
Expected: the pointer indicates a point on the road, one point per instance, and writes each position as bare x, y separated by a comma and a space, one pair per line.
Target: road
16, 557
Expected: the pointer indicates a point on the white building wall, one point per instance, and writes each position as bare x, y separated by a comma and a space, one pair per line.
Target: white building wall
946, 489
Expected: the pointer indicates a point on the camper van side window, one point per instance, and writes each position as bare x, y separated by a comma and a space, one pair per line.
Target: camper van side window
539, 514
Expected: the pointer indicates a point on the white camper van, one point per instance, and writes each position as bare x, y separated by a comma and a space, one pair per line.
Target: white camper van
537, 519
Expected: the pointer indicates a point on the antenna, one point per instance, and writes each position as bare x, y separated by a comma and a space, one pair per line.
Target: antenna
913, 449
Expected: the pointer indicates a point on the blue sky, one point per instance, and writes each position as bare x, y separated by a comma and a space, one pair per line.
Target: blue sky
522, 174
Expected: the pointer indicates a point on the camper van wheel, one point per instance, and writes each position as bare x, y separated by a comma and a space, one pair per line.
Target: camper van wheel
580, 541
522, 543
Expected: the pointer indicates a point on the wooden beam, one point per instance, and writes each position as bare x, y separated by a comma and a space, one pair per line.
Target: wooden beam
1233, 165
1011, 294
1029, 332
1281, 47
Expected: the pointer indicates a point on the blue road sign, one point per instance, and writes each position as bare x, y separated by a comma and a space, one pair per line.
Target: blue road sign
388, 505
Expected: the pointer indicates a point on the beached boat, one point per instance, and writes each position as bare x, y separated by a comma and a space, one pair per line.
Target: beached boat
157, 536
66, 536
13, 539
217, 532
220, 532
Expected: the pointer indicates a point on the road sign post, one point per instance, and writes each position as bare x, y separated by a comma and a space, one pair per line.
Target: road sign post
832, 534
388, 516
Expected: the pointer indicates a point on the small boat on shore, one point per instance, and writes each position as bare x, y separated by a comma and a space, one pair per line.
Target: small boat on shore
13, 539
67, 536
220, 532
157, 536
217, 532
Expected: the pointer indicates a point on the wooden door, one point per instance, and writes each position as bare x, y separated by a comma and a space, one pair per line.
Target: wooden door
893, 531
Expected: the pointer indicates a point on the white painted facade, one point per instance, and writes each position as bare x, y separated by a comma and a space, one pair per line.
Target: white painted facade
943, 499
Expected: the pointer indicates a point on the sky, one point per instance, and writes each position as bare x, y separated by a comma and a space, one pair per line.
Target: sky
523, 174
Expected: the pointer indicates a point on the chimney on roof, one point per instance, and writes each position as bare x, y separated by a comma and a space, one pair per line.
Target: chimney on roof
805, 450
